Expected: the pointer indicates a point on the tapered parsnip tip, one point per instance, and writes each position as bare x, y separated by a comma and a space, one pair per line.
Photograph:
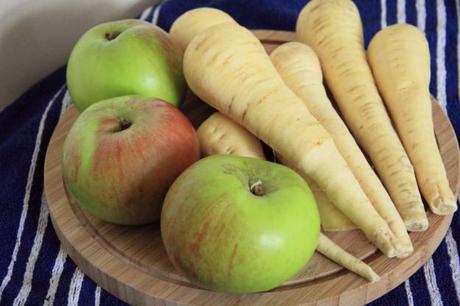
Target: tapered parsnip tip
416, 225
372, 276
441, 199
404, 250
334, 252
386, 242
441, 206
195, 21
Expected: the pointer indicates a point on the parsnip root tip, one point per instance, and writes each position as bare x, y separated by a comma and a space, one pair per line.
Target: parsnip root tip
416, 225
373, 277
443, 207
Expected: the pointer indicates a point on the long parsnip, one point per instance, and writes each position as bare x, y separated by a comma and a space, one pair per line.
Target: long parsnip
227, 67
300, 69
218, 133
333, 29
400, 60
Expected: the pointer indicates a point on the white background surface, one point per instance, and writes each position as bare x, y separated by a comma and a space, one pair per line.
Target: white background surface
36, 37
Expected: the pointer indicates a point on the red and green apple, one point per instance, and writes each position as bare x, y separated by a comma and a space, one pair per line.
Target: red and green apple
121, 155
238, 224
126, 57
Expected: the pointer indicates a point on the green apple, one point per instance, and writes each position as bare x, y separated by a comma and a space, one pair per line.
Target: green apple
121, 155
126, 57
238, 224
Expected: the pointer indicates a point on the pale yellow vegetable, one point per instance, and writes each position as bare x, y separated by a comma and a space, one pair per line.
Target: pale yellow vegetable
328, 248
300, 69
400, 60
333, 29
184, 29
227, 67
220, 135
332, 219
243, 143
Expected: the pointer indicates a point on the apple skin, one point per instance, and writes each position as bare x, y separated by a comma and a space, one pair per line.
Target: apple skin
225, 238
142, 60
122, 175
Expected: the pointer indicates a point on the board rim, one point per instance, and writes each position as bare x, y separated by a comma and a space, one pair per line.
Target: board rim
104, 278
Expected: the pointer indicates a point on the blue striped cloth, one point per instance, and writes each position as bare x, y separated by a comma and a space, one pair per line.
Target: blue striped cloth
35, 270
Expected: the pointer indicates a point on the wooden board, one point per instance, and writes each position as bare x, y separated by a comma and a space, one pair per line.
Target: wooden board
131, 263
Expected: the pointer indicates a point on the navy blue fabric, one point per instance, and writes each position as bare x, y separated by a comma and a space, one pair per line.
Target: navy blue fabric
27, 124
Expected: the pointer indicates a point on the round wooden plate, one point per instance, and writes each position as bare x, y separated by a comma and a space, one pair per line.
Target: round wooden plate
131, 263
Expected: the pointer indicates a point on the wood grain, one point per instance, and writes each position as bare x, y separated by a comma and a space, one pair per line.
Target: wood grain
131, 263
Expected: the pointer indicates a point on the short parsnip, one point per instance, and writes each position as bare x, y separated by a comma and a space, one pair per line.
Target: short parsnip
300, 69
333, 29
400, 60
218, 133
227, 67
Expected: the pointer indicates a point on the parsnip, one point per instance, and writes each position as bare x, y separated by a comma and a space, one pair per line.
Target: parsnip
400, 60
332, 219
300, 69
220, 135
328, 248
227, 67
333, 29
194, 21
243, 143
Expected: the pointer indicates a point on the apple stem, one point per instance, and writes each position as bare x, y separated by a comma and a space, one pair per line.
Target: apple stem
257, 188
111, 35
124, 124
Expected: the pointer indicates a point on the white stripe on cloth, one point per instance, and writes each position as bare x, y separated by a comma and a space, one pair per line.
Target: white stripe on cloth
65, 103
23, 294
156, 13
55, 276
383, 14
401, 9
97, 296
421, 14
75, 287
432, 285
440, 53
28, 188
454, 261
401, 18
410, 298
146, 13
26, 287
